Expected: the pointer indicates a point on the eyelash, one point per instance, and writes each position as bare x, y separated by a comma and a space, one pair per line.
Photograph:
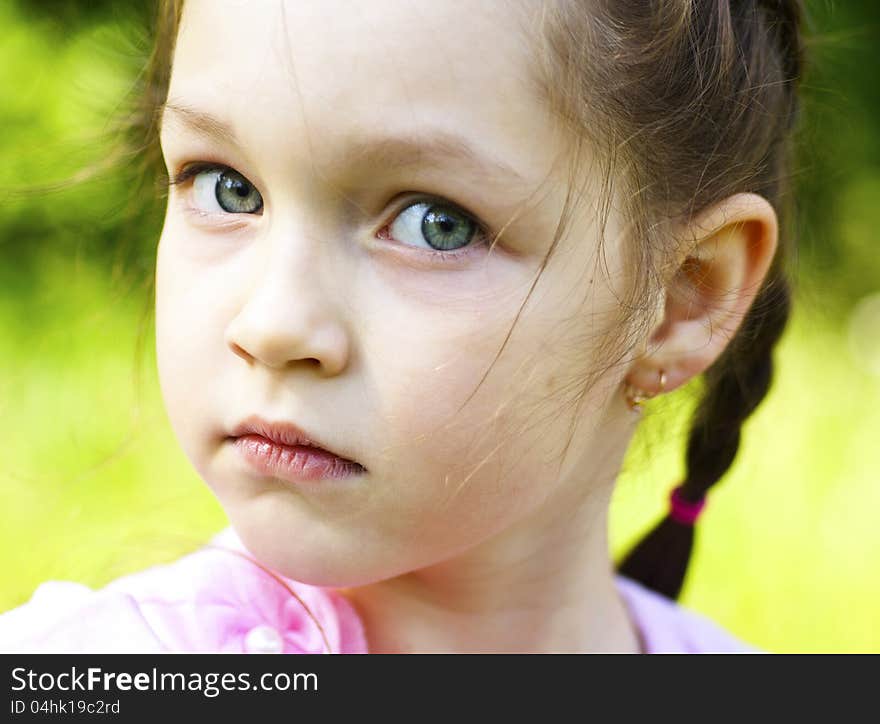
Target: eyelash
193, 169
483, 235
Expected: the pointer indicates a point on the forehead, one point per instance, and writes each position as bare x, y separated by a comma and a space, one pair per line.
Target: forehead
314, 71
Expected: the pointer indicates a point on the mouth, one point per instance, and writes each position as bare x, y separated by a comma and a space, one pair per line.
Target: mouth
283, 450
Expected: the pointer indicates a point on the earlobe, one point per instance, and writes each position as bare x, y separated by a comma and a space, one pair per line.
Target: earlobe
715, 282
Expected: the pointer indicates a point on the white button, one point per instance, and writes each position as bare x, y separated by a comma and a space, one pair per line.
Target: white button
263, 640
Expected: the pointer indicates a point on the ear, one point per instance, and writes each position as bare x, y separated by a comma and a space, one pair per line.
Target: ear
714, 282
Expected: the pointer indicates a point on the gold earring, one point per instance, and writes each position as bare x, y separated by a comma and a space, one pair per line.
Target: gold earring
635, 396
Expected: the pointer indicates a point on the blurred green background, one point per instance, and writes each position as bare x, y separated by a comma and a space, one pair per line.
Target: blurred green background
93, 483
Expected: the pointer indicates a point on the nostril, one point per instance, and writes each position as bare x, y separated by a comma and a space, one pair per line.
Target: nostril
240, 352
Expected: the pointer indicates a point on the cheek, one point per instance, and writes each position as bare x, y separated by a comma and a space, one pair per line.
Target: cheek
189, 341
465, 467
456, 466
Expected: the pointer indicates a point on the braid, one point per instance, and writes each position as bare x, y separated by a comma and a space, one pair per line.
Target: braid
740, 378
735, 385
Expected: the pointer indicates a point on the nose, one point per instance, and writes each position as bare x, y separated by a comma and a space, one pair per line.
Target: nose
289, 316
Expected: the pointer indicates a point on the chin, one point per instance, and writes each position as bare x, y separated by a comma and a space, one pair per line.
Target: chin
307, 561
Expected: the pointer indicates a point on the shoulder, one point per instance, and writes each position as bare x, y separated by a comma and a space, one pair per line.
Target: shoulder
668, 627
217, 599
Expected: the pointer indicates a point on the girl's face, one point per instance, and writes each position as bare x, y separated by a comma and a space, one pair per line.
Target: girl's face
324, 291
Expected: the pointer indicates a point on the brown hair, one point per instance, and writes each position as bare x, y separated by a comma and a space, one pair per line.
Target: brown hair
688, 101
683, 103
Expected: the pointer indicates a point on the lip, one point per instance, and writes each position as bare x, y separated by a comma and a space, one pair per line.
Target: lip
283, 450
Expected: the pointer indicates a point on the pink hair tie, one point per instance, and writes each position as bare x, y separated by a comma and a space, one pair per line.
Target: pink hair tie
684, 511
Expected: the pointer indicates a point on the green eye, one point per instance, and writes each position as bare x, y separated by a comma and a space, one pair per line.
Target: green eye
236, 194
226, 189
438, 226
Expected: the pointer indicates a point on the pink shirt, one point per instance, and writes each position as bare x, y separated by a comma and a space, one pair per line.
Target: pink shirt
219, 600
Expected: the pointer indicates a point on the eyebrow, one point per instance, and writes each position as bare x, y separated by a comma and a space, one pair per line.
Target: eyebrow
391, 152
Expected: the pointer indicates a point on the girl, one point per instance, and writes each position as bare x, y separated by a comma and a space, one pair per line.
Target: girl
421, 266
